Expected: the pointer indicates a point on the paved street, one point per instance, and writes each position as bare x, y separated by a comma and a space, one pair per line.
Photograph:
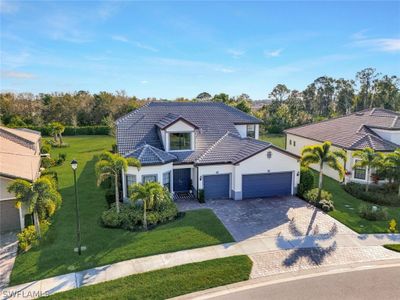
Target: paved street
382, 283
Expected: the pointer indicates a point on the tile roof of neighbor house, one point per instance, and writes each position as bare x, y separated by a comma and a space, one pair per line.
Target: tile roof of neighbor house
19, 153
353, 131
213, 121
149, 155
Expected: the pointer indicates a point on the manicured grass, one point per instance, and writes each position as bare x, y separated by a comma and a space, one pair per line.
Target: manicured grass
168, 283
276, 139
55, 256
347, 206
394, 247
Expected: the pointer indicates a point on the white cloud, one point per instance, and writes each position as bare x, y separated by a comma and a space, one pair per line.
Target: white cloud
8, 7
224, 70
17, 75
274, 53
235, 53
383, 44
124, 39
144, 82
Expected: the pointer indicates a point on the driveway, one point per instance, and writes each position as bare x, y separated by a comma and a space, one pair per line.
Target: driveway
8, 252
271, 217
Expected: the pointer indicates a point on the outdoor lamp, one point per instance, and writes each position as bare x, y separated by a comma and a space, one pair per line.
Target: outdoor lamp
74, 164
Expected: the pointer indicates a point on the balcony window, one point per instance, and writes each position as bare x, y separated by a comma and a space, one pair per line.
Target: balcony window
180, 141
251, 130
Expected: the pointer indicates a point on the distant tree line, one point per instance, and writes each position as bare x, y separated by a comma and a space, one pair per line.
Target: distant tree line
325, 97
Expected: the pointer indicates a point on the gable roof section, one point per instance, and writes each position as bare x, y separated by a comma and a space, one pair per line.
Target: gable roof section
171, 119
353, 131
212, 119
149, 155
19, 157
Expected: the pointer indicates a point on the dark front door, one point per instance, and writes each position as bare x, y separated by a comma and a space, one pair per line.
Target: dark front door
182, 181
216, 186
266, 185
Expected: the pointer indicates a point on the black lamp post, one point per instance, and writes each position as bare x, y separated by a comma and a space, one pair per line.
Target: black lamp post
74, 166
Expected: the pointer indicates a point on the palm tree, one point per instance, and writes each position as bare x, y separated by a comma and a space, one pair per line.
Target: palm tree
393, 159
150, 194
57, 129
367, 158
322, 155
41, 196
111, 165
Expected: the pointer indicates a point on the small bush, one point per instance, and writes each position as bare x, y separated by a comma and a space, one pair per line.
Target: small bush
45, 148
373, 213
326, 203
381, 195
27, 238
110, 218
47, 162
392, 226
61, 159
306, 181
50, 173
201, 196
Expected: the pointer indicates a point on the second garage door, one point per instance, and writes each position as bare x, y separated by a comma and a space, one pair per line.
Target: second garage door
266, 185
216, 186
9, 216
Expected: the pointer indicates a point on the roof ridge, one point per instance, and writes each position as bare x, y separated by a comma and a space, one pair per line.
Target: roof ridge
141, 153
159, 157
212, 146
120, 119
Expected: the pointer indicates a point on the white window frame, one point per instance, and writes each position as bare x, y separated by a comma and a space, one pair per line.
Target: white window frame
253, 131
169, 179
191, 144
148, 175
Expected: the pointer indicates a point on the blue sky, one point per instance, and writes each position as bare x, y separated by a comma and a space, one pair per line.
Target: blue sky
173, 49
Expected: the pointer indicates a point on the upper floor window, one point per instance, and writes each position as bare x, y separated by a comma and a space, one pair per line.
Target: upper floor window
251, 130
180, 141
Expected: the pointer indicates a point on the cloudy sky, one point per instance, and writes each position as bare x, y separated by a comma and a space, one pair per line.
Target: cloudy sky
173, 49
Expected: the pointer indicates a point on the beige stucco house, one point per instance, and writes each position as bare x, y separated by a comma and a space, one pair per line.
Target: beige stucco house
19, 158
376, 128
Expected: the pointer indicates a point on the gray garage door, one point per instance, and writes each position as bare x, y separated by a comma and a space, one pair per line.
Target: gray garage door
216, 186
266, 185
9, 216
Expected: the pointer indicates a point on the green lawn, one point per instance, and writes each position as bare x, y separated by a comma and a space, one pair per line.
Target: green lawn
55, 255
394, 247
276, 139
346, 209
168, 283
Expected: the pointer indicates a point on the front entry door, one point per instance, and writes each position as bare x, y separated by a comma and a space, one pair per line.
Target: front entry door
182, 181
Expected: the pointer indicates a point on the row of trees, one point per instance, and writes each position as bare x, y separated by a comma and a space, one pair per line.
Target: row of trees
328, 97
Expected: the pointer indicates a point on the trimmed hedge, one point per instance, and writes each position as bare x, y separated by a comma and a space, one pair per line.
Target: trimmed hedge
71, 130
306, 181
381, 195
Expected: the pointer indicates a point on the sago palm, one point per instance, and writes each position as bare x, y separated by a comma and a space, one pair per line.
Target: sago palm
393, 159
111, 165
41, 197
150, 194
367, 158
323, 155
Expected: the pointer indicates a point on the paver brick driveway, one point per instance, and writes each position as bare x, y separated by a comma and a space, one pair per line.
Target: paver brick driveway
281, 216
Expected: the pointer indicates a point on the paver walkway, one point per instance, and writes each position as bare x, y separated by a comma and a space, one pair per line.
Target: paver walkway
8, 252
270, 256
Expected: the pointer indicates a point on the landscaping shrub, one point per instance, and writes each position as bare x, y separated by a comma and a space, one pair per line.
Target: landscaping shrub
392, 226
381, 195
55, 144
28, 236
326, 203
131, 217
373, 213
306, 181
50, 173
45, 147
61, 159
47, 162
201, 196
71, 130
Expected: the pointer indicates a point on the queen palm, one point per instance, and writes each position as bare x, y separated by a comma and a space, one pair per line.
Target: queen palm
41, 196
150, 194
367, 158
323, 155
111, 165
393, 159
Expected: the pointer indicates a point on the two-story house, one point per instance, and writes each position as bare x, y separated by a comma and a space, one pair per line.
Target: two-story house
208, 148
375, 128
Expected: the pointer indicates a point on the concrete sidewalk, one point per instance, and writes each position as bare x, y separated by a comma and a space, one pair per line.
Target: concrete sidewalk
263, 249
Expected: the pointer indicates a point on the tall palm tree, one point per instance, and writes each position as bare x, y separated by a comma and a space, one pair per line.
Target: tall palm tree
150, 194
393, 160
322, 155
111, 165
41, 196
367, 158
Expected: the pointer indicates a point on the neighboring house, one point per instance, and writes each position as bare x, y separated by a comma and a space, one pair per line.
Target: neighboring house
19, 158
207, 148
376, 128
